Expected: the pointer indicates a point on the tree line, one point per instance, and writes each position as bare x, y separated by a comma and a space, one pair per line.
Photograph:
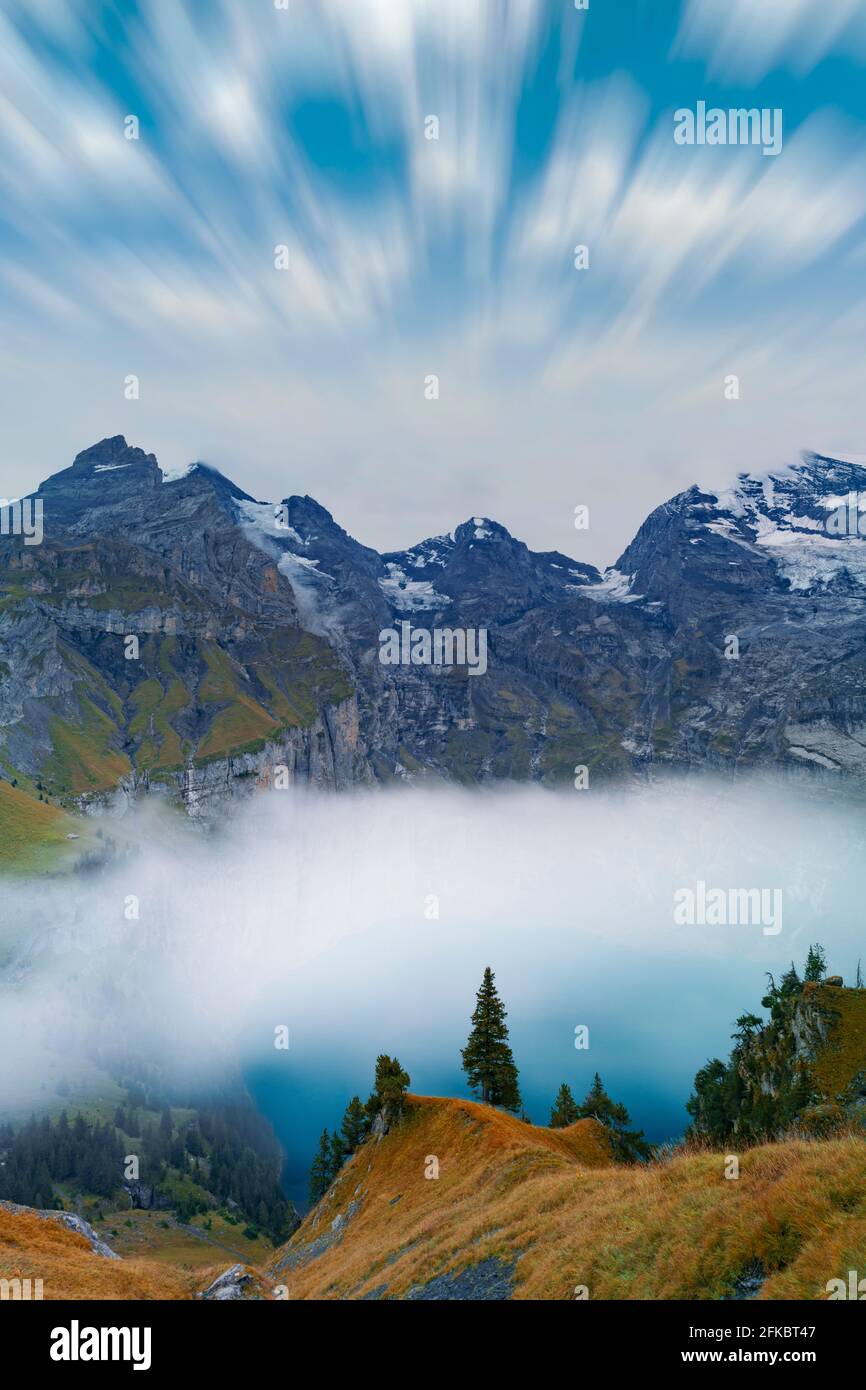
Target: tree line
493, 1078
225, 1154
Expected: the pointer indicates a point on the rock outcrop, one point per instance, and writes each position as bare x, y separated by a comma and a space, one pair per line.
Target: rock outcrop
71, 1222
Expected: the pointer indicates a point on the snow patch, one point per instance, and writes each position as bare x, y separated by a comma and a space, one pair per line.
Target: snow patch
615, 587
410, 595
264, 519
174, 475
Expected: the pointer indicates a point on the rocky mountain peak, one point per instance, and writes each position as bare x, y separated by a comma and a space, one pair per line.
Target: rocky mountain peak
480, 529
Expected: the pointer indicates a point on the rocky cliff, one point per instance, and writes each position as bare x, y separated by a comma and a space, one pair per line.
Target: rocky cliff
172, 634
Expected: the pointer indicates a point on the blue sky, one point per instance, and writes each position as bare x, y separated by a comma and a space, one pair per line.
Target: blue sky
305, 127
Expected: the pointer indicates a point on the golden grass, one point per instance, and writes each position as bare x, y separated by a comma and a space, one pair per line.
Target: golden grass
34, 1247
242, 722
549, 1201
37, 1247
552, 1201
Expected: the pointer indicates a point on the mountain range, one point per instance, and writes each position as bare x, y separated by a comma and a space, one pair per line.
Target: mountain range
728, 635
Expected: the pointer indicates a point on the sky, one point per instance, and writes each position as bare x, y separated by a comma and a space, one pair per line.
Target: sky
306, 127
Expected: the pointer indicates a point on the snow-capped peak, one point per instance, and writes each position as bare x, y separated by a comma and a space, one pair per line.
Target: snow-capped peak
809, 517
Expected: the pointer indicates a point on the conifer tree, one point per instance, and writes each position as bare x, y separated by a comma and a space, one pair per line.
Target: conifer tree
487, 1057
354, 1126
320, 1179
816, 963
565, 1110
627, 1144
389, 1088
336, 1156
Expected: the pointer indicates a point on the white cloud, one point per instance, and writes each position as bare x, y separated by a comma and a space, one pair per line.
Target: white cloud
156, 257
745, 39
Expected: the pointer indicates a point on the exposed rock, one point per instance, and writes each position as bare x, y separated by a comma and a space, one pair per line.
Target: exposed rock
140, 1194
489, 1281
295, 1257
379, 1127
235, 1283
749, 1284
72, 1222
259, 640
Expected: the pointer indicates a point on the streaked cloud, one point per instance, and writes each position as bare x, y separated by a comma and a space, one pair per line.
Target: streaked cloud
306, 128
745, 40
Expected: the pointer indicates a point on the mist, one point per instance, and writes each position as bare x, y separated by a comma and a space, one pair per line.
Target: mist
362, 923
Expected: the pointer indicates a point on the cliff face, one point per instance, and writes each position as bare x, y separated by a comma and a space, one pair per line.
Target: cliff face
803, 1070
817, 1048
147, 645
175, 634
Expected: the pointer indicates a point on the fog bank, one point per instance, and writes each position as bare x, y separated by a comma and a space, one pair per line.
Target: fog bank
362, 923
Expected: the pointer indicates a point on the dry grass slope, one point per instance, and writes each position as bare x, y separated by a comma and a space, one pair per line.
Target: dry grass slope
553, 1202
32, 1247
549, 1202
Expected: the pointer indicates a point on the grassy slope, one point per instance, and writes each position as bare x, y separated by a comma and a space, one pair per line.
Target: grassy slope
32, 833
155, 1235
32, 1247
845, 1054
171, 1265
672, 1230
551, 1199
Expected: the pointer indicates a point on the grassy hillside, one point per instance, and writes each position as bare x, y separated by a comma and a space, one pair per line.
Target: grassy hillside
843, 1058
35, 1247
32, 832
32, 1247
551, 1208
545, 1210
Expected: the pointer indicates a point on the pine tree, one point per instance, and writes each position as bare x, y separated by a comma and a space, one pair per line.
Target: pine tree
320, 1169
389, 1087
487, 1057
628, 1145
354, 1126
816, 963
565, 1110
336, 1155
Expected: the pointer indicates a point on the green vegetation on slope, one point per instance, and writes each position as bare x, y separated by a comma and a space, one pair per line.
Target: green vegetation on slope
804, 1068
32, 832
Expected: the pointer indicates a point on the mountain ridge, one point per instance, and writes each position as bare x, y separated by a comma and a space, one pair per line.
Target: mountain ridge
519, 1211
729, 635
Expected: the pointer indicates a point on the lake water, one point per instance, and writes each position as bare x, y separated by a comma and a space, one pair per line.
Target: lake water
318, 913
